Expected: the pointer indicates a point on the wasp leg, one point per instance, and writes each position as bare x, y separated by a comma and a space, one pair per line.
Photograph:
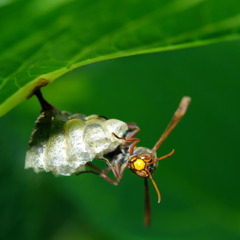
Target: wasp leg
117, 182
129, 135
133, 145
114, 171
94, 167
121, 169
87, 171
104, 172
130, 139
98, 172
132, 126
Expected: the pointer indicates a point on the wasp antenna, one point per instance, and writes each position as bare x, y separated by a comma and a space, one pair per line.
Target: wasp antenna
166, 156
155, 186
181, 110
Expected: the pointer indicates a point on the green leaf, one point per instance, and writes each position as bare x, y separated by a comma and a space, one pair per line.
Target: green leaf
42, 40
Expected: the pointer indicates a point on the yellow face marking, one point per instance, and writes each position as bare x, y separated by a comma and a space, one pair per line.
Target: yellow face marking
139, 164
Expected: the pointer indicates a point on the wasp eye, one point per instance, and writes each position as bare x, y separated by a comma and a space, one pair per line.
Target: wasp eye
139, 164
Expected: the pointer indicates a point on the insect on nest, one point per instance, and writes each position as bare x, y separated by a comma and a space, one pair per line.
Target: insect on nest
66, 144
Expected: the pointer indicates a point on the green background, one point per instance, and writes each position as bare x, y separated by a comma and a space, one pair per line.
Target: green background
42, 40
199, 184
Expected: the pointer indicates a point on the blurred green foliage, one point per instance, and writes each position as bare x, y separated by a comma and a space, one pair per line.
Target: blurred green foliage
199, 184
42, 40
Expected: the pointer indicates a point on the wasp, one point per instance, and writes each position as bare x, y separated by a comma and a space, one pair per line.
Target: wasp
141, 161
66, 144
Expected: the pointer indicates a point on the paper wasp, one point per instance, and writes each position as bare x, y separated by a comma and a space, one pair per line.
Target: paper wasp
66, 143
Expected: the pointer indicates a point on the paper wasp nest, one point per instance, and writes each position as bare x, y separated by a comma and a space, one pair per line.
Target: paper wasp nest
63, 143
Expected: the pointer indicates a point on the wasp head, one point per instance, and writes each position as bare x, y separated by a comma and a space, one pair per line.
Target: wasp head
143, 164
